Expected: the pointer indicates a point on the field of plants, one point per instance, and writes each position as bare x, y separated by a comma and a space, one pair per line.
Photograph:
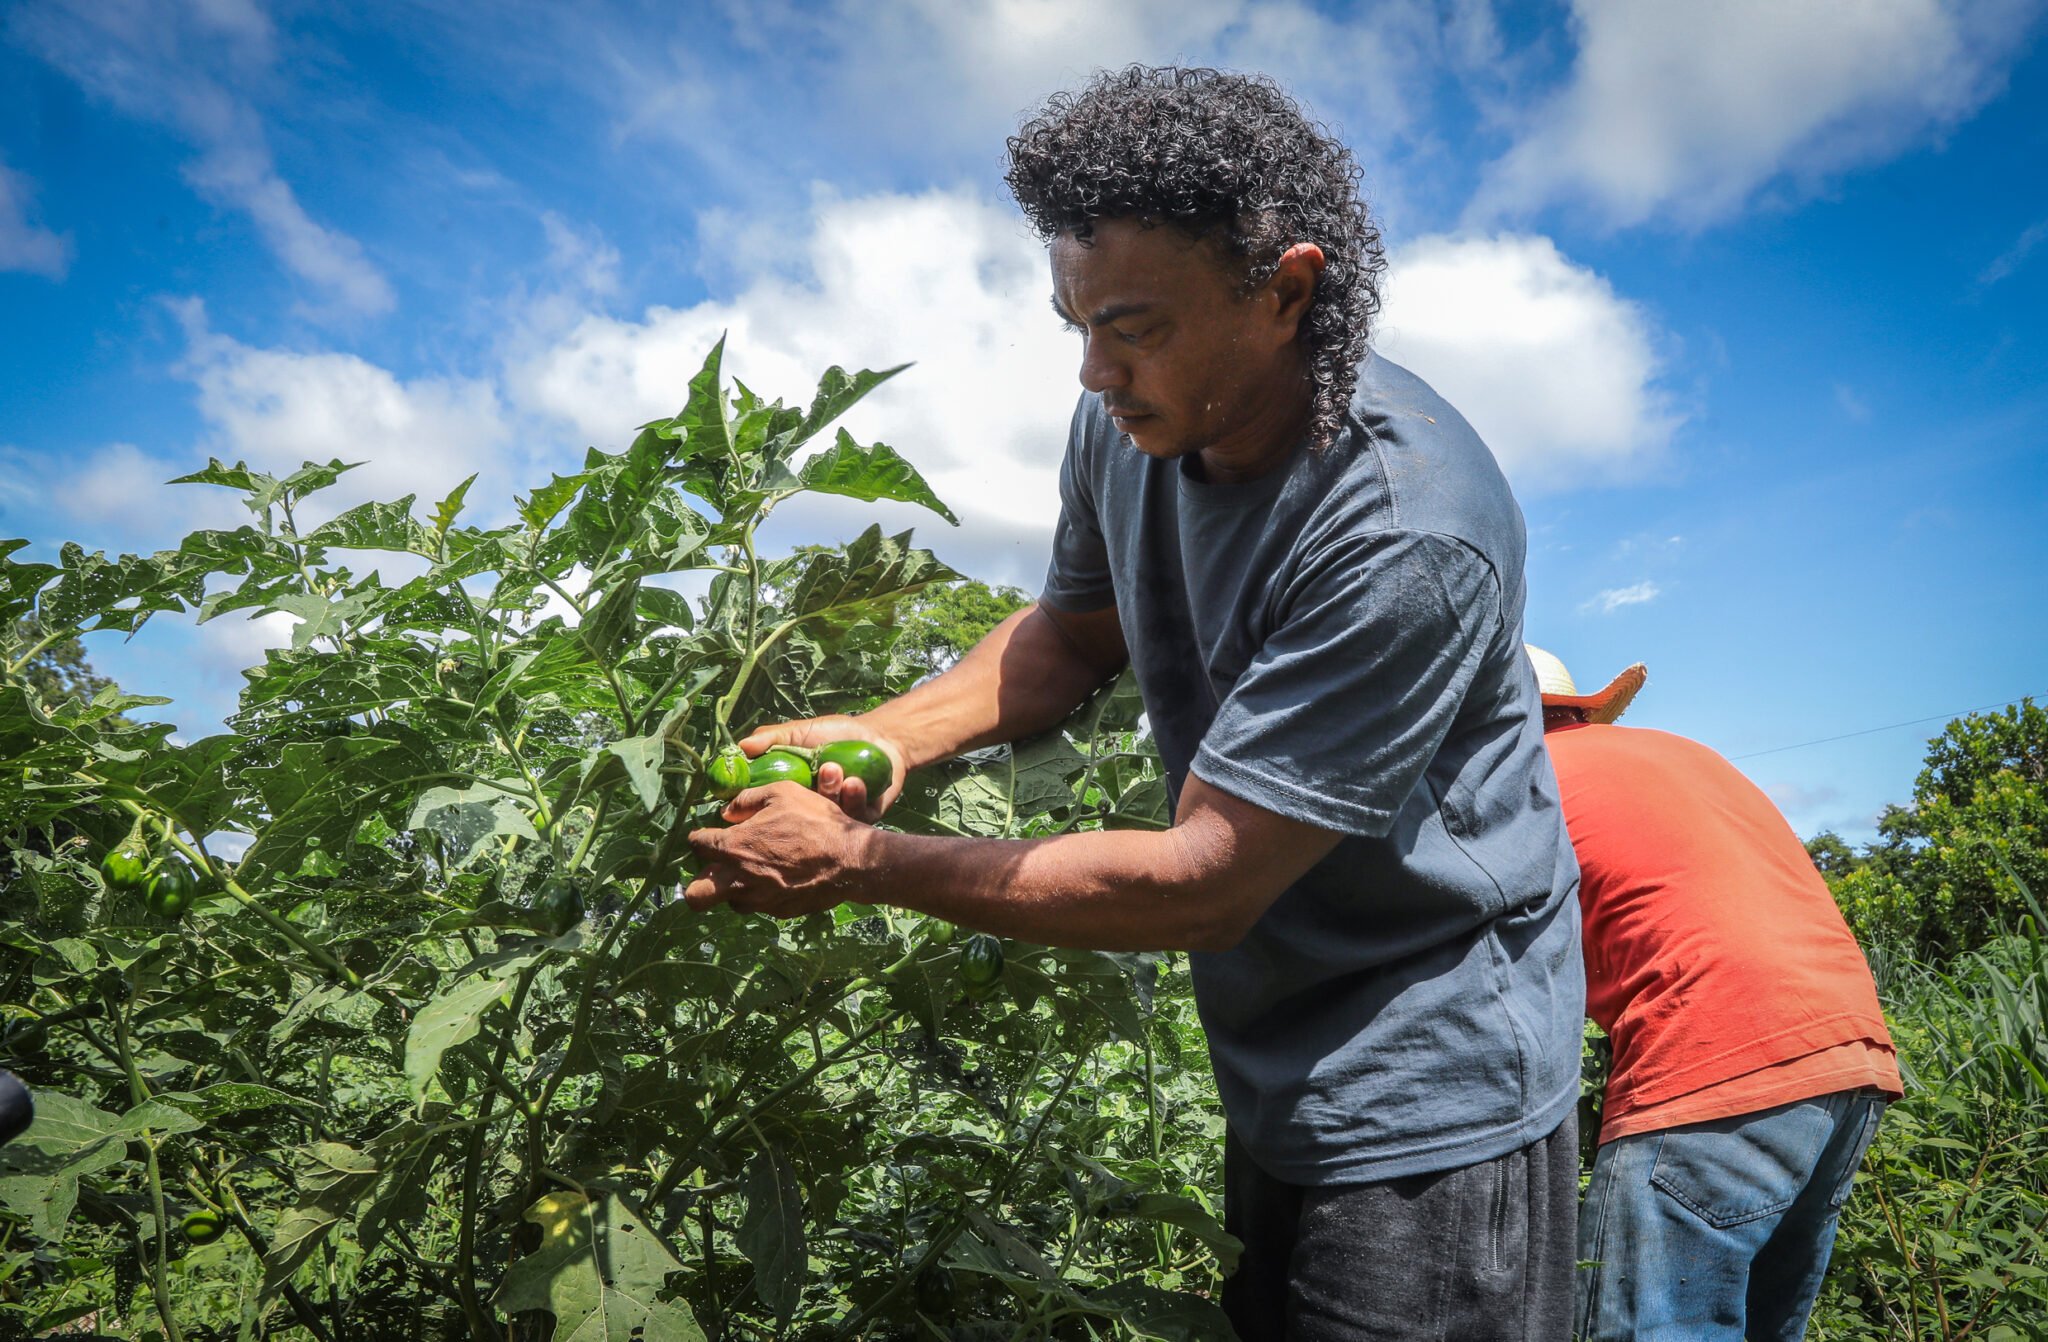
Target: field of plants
377, 1016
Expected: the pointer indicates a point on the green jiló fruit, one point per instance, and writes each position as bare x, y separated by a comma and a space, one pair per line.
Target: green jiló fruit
203, 1226
559, 904
126, 866
860, 759
170, 889
779, 766
981, 960
728, 773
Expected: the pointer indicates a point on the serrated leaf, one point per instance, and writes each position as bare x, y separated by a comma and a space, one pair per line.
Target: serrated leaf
873, 472
642, 756
39, 1172
600, 1270
465, 819
319, 617
450, 508
545, 504
838, 390
837, 588
451, 1019
375, 526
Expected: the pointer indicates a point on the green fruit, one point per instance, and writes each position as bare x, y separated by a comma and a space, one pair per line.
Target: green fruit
981, 961
862, 760
171, 889
560, 905
938, 932
777, 766
728, 773
203, 1226
125, 866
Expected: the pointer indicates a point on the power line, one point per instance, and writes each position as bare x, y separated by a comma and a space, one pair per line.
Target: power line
1888, 727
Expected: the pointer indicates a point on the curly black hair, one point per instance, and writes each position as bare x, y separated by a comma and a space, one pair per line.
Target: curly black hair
1218, 155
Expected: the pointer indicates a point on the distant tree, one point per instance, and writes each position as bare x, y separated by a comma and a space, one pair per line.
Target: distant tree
57, 672
940, 624
1832, 854
1939, 879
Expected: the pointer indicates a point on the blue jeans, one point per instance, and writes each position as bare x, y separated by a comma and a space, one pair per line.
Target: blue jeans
1722, 1229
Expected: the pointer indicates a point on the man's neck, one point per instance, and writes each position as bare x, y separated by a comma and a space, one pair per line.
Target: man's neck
1264, 441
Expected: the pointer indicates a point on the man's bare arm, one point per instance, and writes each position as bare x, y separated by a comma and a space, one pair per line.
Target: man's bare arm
1197, 886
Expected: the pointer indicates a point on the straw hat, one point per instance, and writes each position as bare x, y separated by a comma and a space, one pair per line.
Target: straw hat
1560, 691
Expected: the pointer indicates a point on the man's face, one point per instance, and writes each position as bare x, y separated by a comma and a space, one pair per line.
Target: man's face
1180, 360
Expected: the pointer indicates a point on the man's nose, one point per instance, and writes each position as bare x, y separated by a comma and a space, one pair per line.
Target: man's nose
1099, 372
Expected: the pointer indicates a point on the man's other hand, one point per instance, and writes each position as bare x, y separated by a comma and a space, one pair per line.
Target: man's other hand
789, 852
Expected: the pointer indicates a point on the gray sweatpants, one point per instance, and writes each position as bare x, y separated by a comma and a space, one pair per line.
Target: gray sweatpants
1479, 1254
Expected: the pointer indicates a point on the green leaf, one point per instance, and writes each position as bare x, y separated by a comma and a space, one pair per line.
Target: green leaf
231, 1097
333, 1179
465, 819
39, 1173
609, 629
545, 504
772, 1235
450, 508
450, 1019
320, 617
376, 526
837, 588
600, 1270
869, 473
837, 392
642, 756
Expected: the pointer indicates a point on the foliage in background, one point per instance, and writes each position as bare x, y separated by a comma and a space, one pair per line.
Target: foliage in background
54, 666
1934, 883
1945, 1235
437, 1042
941, 623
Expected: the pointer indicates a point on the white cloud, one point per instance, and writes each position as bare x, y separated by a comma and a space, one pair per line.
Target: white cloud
983, 414
1687, 110
278, 409
1615, 598
940, 83
26, 246
185, 66
1852, 405
2015, 256
1556, 371
1554, 368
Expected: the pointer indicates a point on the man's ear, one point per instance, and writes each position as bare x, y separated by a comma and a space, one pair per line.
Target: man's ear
1293, 285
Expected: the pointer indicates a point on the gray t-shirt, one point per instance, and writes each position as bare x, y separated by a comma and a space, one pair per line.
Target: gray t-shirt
1340, 641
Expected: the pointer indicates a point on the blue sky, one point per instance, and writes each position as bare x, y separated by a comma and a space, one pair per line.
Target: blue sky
1745, 295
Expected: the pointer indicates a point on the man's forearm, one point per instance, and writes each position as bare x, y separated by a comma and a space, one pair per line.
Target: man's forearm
1025, 677
1115, 890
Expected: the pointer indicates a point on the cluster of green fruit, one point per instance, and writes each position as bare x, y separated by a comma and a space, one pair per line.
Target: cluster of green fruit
168, 886
731, 772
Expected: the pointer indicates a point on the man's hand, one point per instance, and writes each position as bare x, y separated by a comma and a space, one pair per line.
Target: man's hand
788, 852
850, 793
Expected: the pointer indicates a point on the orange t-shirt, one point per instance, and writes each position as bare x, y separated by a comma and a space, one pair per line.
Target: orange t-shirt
1716, 959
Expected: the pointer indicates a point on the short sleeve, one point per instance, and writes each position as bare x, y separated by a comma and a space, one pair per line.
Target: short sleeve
1380, 638
1077, 579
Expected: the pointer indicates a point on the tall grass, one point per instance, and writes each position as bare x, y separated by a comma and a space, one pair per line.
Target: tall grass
1946, 1234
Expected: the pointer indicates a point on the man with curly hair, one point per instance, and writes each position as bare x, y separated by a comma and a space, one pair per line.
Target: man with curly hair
1314, 567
